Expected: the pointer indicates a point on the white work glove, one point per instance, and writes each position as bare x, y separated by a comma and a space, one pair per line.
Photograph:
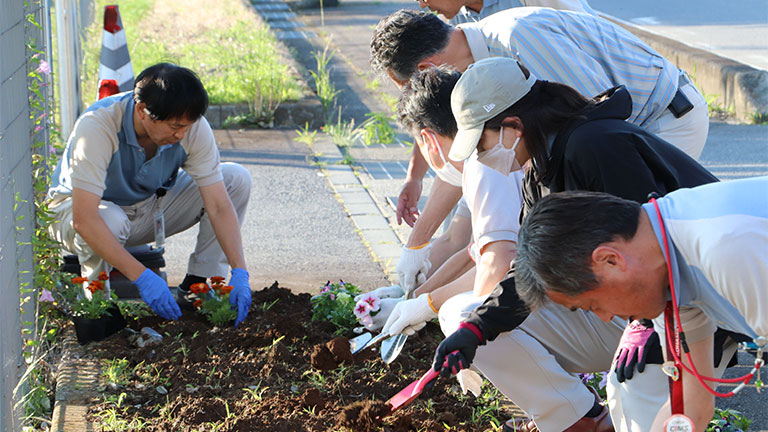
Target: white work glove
470, 380
392, 291
409, 316
413, 266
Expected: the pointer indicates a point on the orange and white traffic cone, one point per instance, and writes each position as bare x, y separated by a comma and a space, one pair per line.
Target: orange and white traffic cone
115, 69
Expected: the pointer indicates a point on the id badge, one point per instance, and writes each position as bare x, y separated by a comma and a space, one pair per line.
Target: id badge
679, 423
159, 229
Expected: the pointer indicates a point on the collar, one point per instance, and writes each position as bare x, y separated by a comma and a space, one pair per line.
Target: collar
476, 40
614, 103
128, 129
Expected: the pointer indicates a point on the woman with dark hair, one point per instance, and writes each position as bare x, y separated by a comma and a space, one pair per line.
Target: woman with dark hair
567, 142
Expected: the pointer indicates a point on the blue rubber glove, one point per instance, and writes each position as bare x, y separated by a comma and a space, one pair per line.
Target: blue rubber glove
240, 296
154, 291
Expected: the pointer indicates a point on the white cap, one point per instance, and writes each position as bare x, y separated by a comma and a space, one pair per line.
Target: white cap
484, 90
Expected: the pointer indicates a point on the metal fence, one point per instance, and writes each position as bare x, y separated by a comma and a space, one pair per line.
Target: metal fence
25, 41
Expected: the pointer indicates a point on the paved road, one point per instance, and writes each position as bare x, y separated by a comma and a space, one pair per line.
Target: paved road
733, 29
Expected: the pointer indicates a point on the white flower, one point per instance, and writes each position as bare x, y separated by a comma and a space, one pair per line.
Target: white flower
362, 309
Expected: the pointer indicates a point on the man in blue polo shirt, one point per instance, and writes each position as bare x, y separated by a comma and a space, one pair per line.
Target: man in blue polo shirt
617, 262
143, 159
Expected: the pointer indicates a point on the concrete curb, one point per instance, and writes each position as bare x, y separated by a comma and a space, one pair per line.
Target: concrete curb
740, 89
374, 228
77, 380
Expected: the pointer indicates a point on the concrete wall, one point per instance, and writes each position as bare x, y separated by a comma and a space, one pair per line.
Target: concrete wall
16, 260
735, 86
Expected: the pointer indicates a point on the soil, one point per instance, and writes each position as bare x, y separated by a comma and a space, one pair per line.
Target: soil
279, 371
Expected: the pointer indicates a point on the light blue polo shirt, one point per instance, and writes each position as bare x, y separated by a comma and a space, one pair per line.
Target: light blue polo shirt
104, 157
718, 240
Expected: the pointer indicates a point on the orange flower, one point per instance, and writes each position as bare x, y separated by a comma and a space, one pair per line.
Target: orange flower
96, 285
197, 303
217, 279
226, 289
103, 276
199, 288
79, 279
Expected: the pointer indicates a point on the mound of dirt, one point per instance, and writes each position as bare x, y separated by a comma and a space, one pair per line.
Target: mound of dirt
279, 371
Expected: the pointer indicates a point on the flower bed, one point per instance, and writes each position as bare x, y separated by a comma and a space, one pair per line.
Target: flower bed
279, 371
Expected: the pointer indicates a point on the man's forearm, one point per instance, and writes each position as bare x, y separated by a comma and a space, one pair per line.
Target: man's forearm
493, 266
442, 198
452, 269
224, 221
461, 284
88, 223
417, 165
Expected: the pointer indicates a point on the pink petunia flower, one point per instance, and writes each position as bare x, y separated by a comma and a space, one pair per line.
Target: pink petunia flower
46, 296
362, 309
325, 290
366, 320
373, 301
43, 68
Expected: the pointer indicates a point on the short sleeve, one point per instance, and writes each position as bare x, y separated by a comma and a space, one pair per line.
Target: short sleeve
91, 146
494, 201
203, 158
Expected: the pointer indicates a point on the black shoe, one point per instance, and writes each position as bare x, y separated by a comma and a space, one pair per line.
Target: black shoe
185, 298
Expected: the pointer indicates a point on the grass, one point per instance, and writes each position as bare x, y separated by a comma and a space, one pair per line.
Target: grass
326, 90
224, 42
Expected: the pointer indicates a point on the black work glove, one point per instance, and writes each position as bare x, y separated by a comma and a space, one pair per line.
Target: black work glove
457, 351
638, 345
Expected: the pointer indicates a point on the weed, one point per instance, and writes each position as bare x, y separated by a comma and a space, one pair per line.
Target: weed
728, 420
377, 129
310, 410
257, 392
134, 310
316, 379
265, 307
183, 350
326, 90
759, 118
117, 371
343, 133
305, 136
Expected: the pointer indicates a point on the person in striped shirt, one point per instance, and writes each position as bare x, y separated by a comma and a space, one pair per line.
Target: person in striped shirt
462, 11
582, 51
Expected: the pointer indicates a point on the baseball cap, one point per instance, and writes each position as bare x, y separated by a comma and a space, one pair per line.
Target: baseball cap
484, 90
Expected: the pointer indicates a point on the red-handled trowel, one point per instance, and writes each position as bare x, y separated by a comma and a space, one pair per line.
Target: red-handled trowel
414, 389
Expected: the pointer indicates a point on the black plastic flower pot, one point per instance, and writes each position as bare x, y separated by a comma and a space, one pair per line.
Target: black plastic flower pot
94, 330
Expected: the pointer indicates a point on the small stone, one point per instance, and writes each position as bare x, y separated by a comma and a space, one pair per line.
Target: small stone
140, 386
112, 386
294, 388
191, 389
162, 390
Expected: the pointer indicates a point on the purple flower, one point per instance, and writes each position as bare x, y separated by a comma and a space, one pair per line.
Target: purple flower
341, 282
603, 381
46, 296
43, 68
51, 149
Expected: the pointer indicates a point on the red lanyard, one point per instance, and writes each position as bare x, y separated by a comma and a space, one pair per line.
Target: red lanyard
676, 344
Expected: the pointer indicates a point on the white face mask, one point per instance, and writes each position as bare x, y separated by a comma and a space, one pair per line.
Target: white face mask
499, 157
448, 173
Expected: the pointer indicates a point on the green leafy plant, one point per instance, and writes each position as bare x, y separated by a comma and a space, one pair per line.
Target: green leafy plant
336, 303
597, 381
305, 136
377, 129
728, 420
325, 88
134, 310
214, 304
94, 307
